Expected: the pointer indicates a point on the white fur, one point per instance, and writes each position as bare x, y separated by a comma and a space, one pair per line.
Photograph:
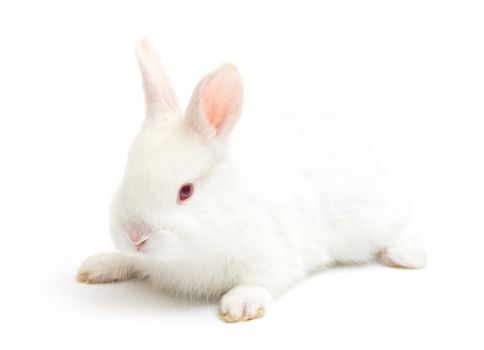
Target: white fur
273, 200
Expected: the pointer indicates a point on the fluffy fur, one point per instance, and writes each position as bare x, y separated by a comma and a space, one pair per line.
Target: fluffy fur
272, 202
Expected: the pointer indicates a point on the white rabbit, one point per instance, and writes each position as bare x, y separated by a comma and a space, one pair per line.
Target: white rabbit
209, 211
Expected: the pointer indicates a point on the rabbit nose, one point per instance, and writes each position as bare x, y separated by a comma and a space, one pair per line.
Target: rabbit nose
137, 238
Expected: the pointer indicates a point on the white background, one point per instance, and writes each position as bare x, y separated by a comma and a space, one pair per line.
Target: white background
408, 74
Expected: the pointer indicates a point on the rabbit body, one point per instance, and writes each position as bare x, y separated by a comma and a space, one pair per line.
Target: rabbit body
272, 201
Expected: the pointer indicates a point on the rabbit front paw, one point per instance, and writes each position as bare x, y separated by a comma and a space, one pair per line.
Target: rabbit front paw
244, 303
106, 268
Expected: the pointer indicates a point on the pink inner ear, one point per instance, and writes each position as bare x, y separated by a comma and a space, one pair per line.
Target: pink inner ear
219, 97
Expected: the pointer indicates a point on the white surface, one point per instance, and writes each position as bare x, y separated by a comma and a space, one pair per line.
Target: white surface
409, 75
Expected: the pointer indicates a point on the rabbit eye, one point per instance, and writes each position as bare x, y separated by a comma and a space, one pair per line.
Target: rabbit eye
185, 192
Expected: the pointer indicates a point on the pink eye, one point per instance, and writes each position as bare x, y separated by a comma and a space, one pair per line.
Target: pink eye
185, 192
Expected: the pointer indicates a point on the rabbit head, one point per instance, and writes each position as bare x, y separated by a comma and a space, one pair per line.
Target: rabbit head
174, 188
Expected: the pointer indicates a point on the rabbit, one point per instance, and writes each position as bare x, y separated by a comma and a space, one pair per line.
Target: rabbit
209, 211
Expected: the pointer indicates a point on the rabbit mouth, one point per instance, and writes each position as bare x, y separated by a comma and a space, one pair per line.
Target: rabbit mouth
141, 246
138, 247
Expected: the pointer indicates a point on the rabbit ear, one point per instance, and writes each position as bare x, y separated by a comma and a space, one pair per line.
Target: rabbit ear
159, 93
216, 102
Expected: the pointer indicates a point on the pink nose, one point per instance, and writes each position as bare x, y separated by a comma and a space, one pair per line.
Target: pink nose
137, 238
